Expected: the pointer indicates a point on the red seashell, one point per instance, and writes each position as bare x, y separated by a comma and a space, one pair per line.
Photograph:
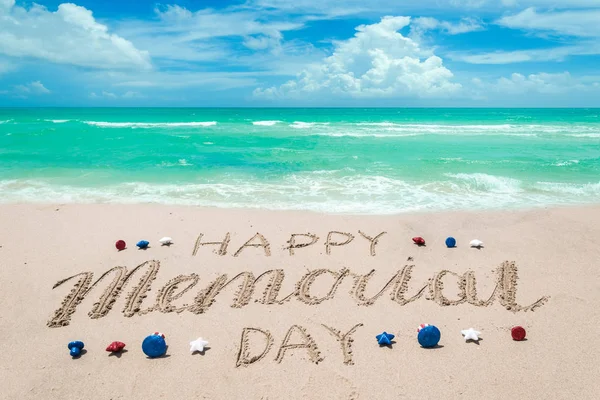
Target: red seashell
518, 333
120, 245
115, 347
419, 240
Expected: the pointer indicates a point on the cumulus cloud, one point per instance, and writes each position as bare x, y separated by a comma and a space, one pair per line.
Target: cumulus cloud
543, 83
465, 25
34, 88
110, 95
69, 35
530, 55
582, 23
377, 61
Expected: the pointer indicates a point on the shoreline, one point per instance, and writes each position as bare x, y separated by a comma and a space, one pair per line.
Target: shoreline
262, 289
201, 208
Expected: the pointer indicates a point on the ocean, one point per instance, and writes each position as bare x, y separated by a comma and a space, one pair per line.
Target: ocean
359, 161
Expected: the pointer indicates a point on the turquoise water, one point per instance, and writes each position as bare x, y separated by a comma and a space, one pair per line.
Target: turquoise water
335, 160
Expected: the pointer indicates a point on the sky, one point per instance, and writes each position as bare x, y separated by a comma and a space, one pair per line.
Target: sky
300, 53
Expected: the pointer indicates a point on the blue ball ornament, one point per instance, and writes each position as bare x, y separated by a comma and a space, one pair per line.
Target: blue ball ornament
154, 345
429, 336
450, 242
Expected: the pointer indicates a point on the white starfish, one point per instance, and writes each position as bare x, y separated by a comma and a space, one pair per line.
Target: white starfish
166, 241
476, 243
471, 334
198, 345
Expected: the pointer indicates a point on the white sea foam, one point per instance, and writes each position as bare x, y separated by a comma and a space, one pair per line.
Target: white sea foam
180, 163
103, 124
57, 121
566, 163
5, 121
585, 135
307, 125
582, 189
488, 183
265, 123
324, 191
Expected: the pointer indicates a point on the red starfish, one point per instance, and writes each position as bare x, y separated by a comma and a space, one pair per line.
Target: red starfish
115, 347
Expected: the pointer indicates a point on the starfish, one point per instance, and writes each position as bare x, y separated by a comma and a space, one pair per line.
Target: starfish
476, 243
385, 339
471, 334
198, 345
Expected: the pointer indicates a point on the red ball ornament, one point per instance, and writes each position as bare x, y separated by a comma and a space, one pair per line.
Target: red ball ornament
120, 245
518, 333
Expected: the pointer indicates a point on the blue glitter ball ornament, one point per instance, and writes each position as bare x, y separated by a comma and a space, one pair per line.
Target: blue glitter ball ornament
451, 242
429, 335
154, 345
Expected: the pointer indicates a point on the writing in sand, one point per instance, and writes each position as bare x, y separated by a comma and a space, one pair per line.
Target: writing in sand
246, 283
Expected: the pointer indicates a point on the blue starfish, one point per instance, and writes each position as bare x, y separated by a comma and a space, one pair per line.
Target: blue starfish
385, 339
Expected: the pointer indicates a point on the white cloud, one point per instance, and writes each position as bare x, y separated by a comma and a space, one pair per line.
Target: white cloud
69, 35
541, 83
377, 62
33, 88
338, 8
530, 55
132, 95
6, 66
465, 25
110, 95
583, 23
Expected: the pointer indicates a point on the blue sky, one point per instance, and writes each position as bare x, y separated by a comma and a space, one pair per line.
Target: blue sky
525, 53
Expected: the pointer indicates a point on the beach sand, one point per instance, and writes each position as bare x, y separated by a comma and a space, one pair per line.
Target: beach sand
556, 271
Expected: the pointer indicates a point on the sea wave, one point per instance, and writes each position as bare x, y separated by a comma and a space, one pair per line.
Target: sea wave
577, 189
104, 124
57, 121
317, 191
307, 125
6, 121
566, 163
265, 123
585, 135
488, 183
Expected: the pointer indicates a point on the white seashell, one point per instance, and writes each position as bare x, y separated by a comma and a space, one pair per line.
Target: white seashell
166, 241
476, 243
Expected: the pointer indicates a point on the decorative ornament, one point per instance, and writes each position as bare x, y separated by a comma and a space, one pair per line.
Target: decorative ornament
476, 243
198, 345
154, 345
75, 348
166, 241
471, 334
142, 244
115, 347
450, 242
120, 245
385, 339
518, 333
428, 336
419, 241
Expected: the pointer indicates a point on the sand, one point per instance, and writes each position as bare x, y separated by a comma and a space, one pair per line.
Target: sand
298, 323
